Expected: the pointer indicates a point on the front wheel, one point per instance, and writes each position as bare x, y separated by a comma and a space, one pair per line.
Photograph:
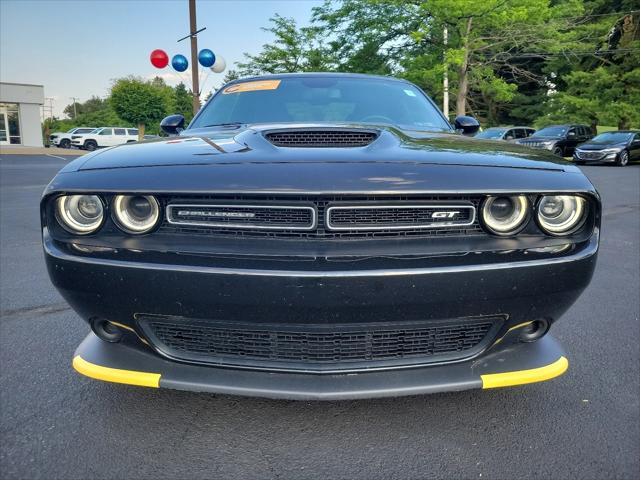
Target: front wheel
90, 145
65, 143
623, 159
558, 151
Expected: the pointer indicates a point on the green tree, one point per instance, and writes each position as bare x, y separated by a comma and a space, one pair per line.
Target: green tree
230, 76
94, 104
293, 50
183, 101
138, 102
607, 95
72, 110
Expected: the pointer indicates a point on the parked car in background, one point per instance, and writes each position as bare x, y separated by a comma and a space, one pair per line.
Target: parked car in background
510, 134
560, 139
63, 139
610, 147
105, 137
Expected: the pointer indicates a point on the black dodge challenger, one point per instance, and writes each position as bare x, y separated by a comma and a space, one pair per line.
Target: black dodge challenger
320, 236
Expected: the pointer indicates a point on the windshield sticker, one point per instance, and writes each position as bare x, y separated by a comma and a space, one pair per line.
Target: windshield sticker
252, 86
410, 93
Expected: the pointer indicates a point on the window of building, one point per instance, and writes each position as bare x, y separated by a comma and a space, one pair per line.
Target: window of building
9, 124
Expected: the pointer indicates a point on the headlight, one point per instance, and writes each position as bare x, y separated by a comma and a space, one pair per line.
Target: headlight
561, 214
505, 215
136, 214
79, 214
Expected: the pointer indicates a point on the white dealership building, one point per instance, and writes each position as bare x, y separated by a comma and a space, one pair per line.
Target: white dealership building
20, 106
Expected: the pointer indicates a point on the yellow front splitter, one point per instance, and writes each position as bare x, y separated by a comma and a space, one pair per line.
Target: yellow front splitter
521, 377
116, 375
136, 365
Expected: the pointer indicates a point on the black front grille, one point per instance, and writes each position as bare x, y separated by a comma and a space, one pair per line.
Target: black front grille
586, 155
321, 138
296, 346
365, 217
242, 216
321, 205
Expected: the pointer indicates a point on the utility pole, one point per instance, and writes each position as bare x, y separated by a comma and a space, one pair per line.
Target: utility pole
75, 113
445, 80
193, 35
194, 56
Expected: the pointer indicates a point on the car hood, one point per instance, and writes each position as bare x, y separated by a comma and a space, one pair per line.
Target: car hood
600, 146
242, 161
246, 144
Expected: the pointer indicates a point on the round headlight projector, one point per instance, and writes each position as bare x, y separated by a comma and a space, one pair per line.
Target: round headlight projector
505, 215
80, 214
135, 214
561, 214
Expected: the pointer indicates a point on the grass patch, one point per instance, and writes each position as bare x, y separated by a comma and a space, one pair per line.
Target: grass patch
605, 128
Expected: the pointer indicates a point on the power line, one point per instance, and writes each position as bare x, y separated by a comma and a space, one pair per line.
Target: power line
591, 15
564, 53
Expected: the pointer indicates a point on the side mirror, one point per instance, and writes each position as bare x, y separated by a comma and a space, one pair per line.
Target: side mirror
468, 125
172, 125
571, 135
509, 137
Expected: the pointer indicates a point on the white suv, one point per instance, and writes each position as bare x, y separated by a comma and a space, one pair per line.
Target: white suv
105, 137
63, 139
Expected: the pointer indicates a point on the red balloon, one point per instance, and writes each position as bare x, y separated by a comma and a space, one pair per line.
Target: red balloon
159, 58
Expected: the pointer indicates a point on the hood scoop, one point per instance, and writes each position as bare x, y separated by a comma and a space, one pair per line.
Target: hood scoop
321, 138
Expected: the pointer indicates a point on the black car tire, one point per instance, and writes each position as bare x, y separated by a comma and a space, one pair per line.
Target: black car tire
90, 145
558, 151
623, 159
65, 143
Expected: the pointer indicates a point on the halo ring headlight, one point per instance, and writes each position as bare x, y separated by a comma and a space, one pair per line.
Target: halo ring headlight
561, 214
505, 215
135, 214
79, 214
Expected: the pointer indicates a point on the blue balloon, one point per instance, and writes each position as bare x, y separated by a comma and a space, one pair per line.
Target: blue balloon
206, 57
179, 63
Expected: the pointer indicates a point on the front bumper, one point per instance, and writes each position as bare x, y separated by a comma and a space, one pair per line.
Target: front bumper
120, 291
608, 158
539, 146
519, 364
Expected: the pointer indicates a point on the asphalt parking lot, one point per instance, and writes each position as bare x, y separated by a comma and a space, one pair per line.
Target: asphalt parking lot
57, 424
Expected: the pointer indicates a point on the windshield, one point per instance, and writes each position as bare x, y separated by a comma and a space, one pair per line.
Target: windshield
322, 100
491, 133
611, 137
72, 130
551, 132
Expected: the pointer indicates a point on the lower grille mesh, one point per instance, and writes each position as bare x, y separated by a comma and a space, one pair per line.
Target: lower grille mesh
594, 155
232, 343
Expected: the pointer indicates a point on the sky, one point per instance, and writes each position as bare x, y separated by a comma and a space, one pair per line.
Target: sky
75, 48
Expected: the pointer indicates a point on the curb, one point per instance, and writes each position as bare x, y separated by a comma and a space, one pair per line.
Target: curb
40, 151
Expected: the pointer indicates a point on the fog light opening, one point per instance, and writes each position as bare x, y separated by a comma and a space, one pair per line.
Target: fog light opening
534, 331
106, 330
